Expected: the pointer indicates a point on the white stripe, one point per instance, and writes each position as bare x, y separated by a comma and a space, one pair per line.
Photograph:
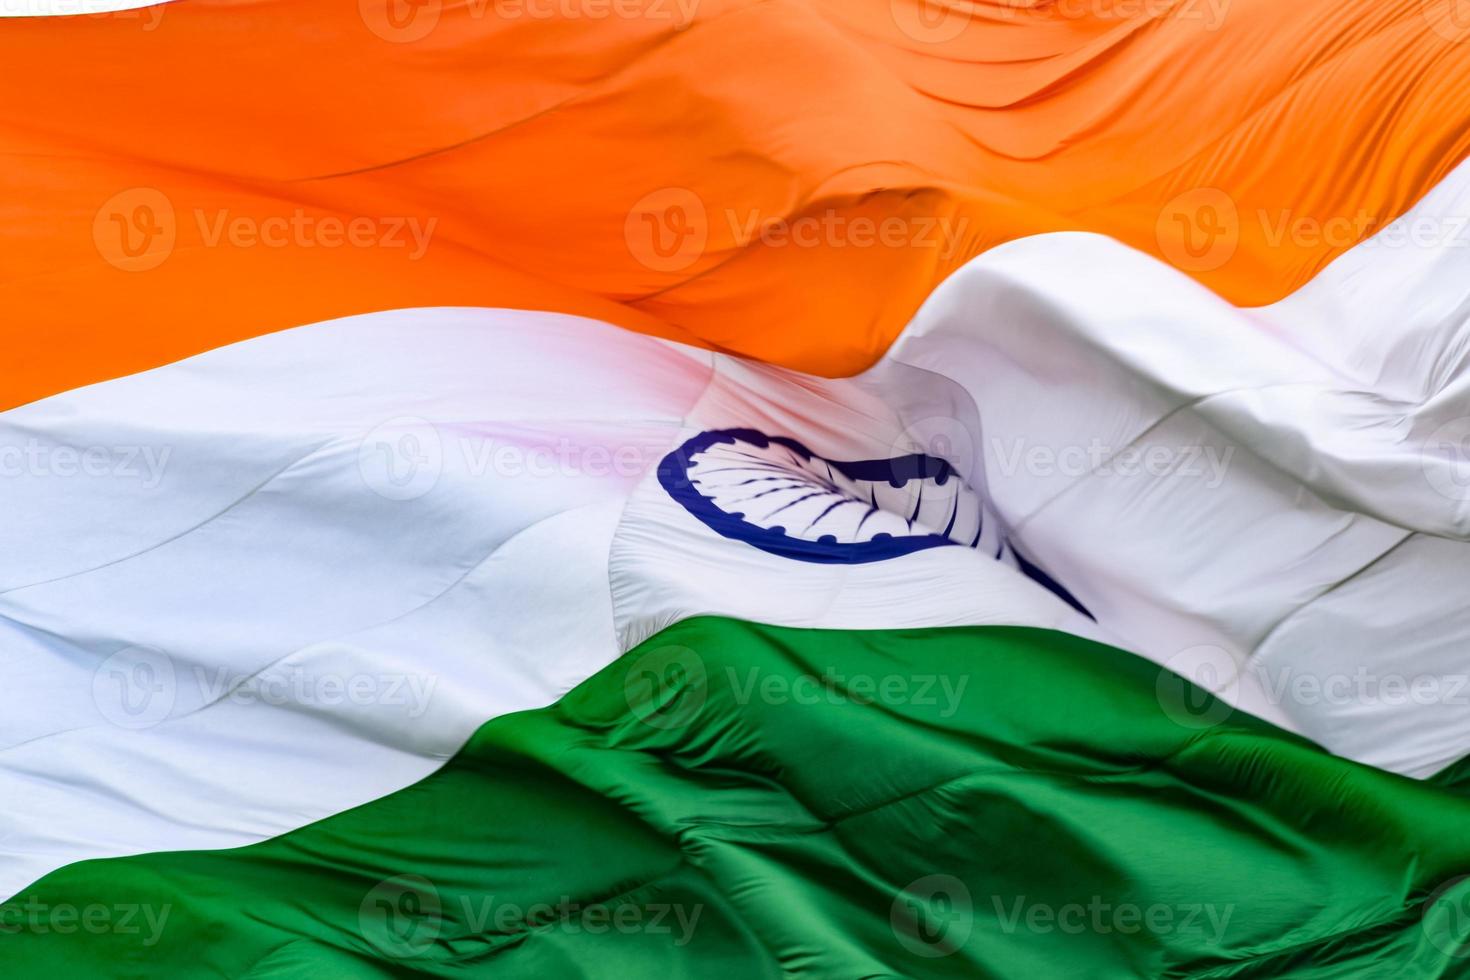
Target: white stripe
203, 650
276, 540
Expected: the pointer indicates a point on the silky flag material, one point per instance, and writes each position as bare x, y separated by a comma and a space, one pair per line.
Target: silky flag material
733, 800
565, 491
935, 527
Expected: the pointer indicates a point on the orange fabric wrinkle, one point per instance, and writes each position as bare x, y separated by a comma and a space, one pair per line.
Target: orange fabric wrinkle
786, 179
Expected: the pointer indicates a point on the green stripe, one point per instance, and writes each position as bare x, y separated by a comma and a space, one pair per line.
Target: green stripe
733, 800
1455, 778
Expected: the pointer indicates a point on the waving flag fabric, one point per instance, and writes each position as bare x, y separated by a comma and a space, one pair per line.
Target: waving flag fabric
736, 489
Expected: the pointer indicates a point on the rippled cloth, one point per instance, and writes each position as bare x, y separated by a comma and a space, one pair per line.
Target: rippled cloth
704, 171
729, 800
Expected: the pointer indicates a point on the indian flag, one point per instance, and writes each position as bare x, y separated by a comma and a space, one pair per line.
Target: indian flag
718, 488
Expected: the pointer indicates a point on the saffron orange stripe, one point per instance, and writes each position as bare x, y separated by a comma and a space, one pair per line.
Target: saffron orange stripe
788, 180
